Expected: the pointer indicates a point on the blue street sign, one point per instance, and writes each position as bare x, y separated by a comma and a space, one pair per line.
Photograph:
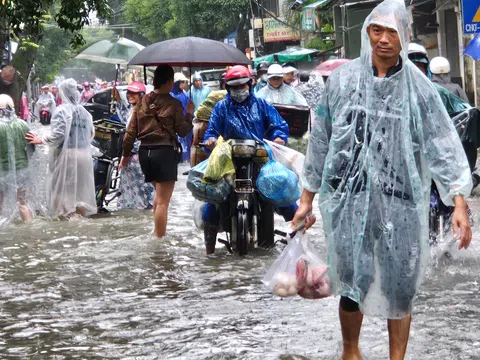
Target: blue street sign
471, 16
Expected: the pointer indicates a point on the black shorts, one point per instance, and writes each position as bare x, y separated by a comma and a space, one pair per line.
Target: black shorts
159, 163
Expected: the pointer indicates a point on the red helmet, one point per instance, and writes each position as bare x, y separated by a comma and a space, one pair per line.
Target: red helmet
86, 84
137, 87
237, 75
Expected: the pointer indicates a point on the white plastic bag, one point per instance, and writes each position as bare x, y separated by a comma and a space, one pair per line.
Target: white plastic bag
198, 206
290, 158
298, 271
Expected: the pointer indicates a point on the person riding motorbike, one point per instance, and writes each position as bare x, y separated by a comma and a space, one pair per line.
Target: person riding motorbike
418, 55
87, 93
290, 73
277, 92
440, 68
45, 100
198, 91
262, 81
241, 115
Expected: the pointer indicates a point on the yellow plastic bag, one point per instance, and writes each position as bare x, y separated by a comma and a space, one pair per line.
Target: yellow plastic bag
219, 163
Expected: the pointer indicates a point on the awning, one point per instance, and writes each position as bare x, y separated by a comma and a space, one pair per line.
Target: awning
315, 4
293, 54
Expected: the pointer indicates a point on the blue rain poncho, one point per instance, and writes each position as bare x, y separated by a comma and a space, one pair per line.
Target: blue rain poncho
260, 85
252, 119
376, 144
199, 95
285, 95
185, 141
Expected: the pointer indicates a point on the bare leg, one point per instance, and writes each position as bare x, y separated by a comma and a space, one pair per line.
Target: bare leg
25, 212
81, 211
351, 323
163, 194
398, 332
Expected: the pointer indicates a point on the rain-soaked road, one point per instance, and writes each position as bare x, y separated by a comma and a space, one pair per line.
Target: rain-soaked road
103, 288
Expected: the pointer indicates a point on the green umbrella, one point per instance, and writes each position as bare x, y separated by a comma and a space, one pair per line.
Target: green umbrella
293, 54
119, 51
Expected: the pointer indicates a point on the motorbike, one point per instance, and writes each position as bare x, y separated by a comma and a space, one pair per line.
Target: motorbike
106, 152
45, 115
106, 176
247, 219
467, 124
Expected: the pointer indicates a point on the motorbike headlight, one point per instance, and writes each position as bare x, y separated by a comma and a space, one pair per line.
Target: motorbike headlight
243, 150
261, 153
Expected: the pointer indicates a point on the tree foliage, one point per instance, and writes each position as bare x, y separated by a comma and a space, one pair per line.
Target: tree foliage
27, 20
166, 19
55, 51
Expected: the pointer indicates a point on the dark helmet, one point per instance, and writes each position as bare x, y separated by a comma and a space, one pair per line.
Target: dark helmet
263, 66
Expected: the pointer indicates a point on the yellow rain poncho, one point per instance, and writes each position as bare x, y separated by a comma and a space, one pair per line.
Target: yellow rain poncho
375, 147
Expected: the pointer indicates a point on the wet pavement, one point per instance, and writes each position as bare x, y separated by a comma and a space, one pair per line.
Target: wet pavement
103, 288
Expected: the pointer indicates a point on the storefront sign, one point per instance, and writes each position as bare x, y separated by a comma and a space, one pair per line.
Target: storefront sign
471, 16
275, 31
308, 19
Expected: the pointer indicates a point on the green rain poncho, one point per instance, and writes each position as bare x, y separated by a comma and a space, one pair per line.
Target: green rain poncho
375, 146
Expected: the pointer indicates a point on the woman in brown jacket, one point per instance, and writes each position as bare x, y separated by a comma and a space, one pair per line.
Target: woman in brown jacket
156, 121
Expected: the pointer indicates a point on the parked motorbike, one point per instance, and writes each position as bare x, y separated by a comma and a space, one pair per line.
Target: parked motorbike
467, 124
107, 149
246, 217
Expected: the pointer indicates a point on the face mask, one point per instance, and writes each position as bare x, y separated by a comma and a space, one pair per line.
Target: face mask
239, 95
264, 77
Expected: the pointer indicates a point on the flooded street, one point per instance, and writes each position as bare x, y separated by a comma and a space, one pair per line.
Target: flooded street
103, 288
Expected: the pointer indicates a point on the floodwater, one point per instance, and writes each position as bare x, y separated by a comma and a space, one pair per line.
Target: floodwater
103, 288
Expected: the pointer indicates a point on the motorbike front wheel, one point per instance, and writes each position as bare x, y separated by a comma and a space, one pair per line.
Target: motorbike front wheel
240, 232
266, 236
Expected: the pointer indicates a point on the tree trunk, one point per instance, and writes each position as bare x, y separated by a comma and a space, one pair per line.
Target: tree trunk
22, 61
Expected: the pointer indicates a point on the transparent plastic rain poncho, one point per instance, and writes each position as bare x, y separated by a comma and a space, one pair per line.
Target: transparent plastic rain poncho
47, 100
285, 95
312, 90
15, 168
199, 95
375, 146
71, 181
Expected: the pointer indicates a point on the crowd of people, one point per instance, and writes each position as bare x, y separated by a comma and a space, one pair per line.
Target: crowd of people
381, 133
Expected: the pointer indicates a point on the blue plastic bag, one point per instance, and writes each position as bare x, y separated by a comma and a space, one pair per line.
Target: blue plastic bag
215, 193
278, 184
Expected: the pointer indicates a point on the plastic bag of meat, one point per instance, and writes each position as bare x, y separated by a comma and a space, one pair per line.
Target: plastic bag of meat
312, 278
281, 278
299, 270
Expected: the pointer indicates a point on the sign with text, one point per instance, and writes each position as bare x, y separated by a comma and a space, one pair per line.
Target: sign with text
275, 31
309, 19
471, 16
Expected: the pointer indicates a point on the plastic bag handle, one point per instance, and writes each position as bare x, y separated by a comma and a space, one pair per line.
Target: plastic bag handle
269, 150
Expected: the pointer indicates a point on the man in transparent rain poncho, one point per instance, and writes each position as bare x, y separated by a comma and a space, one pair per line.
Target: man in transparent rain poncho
15, 167
71, 181
380, 135
277, 92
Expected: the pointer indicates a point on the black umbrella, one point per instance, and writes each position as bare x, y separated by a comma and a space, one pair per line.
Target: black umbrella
190, 51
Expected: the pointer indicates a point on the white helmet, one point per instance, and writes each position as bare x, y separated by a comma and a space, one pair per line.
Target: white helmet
439, 65
275, 70
416, 49
6, 102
